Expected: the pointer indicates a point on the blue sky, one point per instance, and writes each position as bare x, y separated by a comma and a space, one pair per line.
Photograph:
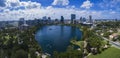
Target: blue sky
30, 9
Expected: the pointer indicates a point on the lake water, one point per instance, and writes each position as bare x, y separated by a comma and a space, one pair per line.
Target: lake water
56, 37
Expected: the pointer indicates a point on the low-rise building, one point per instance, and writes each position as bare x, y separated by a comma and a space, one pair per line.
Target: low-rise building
113, 36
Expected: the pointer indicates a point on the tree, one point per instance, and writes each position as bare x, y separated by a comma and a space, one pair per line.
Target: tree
70, 53
32, 53
95, 43
106, 34
21, 54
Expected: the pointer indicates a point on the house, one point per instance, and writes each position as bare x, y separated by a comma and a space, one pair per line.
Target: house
118, 30
111, 31
113, 36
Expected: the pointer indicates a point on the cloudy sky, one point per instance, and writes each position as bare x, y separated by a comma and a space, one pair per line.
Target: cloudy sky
30, 9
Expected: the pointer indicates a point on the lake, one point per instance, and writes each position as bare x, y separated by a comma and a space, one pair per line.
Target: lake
56, 37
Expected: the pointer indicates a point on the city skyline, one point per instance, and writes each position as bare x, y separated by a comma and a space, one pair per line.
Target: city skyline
30, 9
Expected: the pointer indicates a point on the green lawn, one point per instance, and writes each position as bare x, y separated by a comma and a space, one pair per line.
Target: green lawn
109, 53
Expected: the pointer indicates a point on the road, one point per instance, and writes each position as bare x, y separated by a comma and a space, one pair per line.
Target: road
115, 44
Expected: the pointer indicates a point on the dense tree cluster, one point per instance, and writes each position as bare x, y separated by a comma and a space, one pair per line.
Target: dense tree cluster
69, 53
15, 43
109, 24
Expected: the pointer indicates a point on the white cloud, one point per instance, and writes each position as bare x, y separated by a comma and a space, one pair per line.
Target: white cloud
60, 2
34, 10
12, 3
86, 4
54, 13
25, 4
49, 7
112, 12
6, 10
110, 4
30, 5
70, 7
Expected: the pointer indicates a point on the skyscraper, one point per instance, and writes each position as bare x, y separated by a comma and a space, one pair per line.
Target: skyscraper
49, 18
73, 17
44, 18
81, 20
21, 21
62, 19
90, 19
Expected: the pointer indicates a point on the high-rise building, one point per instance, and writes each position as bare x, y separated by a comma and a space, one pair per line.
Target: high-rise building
84, 19
90, 19
62, 19
49, 18
73, 17
81, 20
21, 21
44, 18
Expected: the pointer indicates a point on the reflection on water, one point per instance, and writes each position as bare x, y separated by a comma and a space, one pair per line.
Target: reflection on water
56, 37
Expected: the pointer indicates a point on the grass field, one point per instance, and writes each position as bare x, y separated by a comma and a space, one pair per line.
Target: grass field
109, 53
